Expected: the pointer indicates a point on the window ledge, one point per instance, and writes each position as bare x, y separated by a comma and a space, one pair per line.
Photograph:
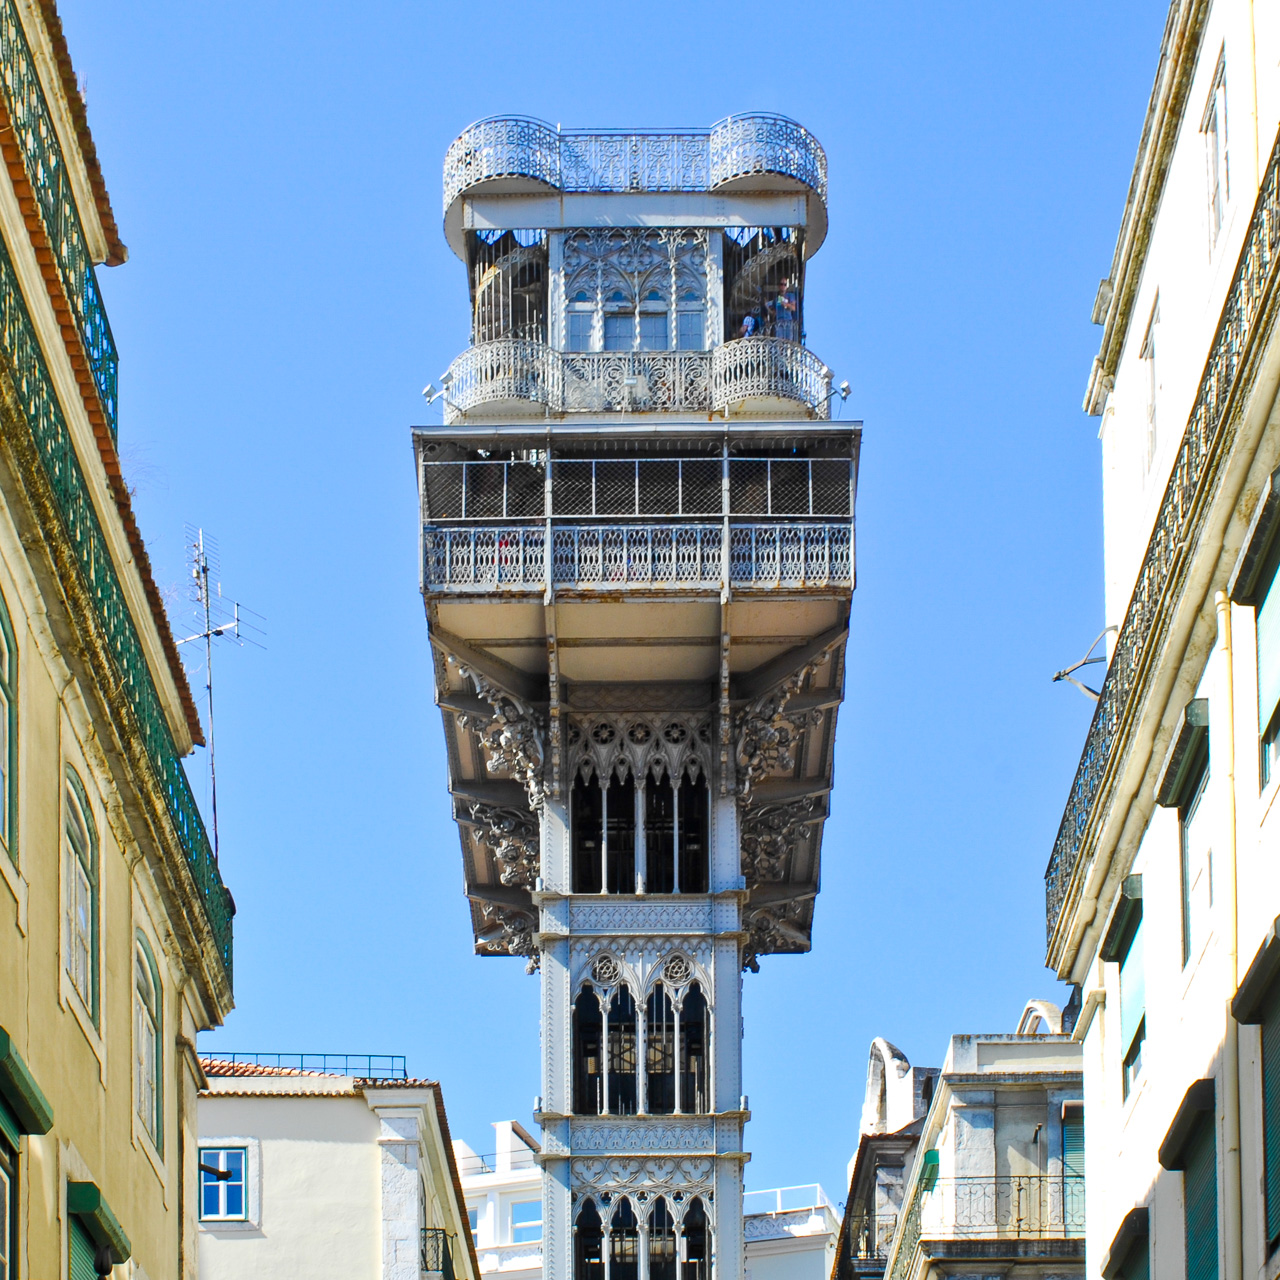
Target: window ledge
72, 1000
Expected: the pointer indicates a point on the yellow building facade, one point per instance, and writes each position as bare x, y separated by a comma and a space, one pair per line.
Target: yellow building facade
115, 927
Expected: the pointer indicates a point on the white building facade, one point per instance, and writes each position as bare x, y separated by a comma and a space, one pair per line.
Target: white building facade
1164, 882
637, 562
503, 1190
327, 1176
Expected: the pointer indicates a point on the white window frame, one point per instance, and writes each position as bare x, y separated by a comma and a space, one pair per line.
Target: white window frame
1213, 125
513, 1226
252, 1148
1147, 353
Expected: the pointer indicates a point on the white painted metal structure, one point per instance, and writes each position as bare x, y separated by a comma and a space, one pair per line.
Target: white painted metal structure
637, 562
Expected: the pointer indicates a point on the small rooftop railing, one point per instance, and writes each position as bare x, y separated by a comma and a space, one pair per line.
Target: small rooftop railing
810, 1195
521, 376
474, 1165
698, 159
365, 1066
637, 488
1035, 1206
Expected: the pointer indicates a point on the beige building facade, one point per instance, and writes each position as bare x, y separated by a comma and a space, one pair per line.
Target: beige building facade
115, 928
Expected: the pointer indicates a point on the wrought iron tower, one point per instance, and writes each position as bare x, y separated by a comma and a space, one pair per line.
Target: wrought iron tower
637, 562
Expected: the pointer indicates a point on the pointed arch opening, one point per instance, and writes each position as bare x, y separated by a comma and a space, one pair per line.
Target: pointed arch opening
624, 1242
588, 1243
662, 1242
692, 843
695, 1039
660, 1053
623, 1065
620, 835
587, 817
695, 1254
587, 1057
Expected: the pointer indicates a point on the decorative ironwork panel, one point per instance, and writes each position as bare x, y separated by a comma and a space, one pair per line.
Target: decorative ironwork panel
628, 1136
501, 147
1196, 473
508, 369
1034, 1205
24, 362
759, 143
610, 161
791, 555
769, 368
607, 557
47, 172
510, 557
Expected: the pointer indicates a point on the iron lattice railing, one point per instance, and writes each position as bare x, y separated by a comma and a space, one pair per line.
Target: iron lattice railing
437, 1253
607, 557
769, 368
1197, 470
25, 365
527, 373
637, 488
618, 160
1034, 1205
47, 172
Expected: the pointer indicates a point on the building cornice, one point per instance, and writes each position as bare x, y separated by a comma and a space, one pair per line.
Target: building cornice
1179, 51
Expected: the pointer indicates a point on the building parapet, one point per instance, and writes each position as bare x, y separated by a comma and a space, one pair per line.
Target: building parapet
1197, 471
519, 376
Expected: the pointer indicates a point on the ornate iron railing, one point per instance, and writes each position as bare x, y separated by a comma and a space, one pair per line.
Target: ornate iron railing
1201, 459
1033, 1205
437, 1253
616, 160
643, 488
25, 364
47, 172
769, 368
528, 373
611, 557
902, 1249
791, 555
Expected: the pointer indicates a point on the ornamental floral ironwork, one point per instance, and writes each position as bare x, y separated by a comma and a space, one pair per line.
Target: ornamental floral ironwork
791, 555
609, 556
770, 835
640, 745
671, 160
768, 735
46, 169
769, 369
1197, 474
512, 738
512, 836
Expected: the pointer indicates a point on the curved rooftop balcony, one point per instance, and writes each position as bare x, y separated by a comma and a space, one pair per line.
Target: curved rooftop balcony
519, 378
508, 155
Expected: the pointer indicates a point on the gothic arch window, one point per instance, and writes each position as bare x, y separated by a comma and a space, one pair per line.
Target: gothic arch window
623, 1063
148, 1041
692, 824
588, 1243
587, 818
660, 1053
624, 1242
603, 819
695, 1040
620, 836
676, 822
80, 843
695, 1255
662, 1242
588, 1076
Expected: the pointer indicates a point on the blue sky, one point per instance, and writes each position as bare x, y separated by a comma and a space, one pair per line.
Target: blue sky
275, 170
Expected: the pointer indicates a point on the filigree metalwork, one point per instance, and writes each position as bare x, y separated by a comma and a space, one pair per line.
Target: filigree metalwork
657, 1175
776, 927
497, 558
769, 369
640, 745
768, 737
605, 557
46, 169
791, 555
511, 930
513, 838
770, 835
1196, 477
679, 160
24, 363
512, 739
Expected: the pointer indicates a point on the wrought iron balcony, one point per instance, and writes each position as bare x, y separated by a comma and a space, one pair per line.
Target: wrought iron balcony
752, 149
437, 1254
517, 377
1021, 1207
462, 559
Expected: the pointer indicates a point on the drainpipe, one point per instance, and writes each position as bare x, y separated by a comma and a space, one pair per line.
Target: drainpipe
1231, 1049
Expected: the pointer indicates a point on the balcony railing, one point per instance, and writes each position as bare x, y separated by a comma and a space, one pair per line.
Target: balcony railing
522, 377
609, 557
637, 488
1034, 1206
365, 1066
871, 1237
437, 1254
768, 370
46, 170
735, 148
1184, 510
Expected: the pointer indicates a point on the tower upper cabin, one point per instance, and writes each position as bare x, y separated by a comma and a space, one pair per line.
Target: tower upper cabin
625, 272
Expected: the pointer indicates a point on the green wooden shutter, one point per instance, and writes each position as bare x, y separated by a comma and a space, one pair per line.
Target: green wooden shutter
1268, 617
1200, 1203
1271, 1111
1073, 1148
81, 1249
1138, 1265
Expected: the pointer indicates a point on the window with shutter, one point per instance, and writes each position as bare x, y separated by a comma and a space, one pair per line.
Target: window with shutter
1271, 1113
1138, 1265
1268, 626
1073, 1147
80, 1251
1200, 1203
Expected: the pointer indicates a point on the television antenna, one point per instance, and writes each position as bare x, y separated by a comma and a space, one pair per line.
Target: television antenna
223, 619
